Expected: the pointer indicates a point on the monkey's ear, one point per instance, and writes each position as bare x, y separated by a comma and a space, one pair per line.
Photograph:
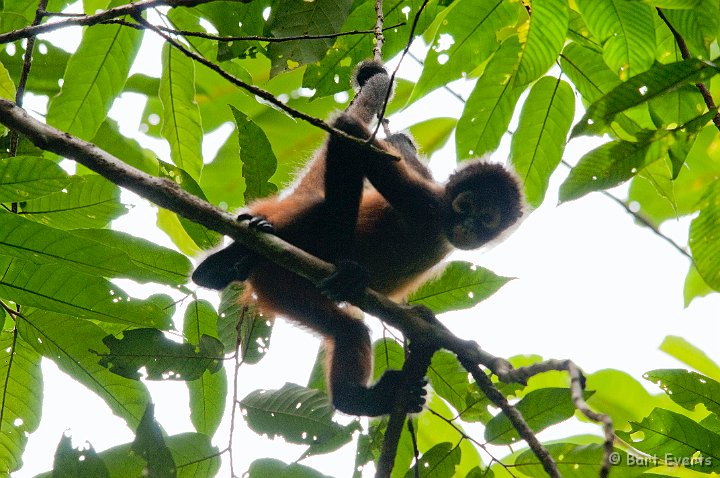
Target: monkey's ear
366, 70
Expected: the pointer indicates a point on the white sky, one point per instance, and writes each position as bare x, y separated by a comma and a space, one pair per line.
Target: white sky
591, 286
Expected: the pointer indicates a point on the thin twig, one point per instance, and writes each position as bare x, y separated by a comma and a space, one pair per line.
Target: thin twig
25, 73
379, 37
86, 20
265, 95
685, 52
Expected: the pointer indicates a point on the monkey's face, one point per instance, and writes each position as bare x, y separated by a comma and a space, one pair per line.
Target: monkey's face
474, 221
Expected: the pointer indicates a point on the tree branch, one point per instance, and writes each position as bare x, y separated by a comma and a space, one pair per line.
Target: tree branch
379, 37
83, 20
418, 323
685, 52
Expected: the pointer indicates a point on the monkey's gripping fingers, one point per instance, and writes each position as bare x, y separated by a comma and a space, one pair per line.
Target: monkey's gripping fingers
259, 223
390, 385
347, 283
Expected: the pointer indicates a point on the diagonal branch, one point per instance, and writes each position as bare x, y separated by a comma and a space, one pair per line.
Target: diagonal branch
417, 323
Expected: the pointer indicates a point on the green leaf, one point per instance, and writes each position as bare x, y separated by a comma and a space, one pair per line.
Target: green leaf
540, 408
7, 91
665, 433
208, 393
181, 124
21, 400
627, 32
162, 358
152, 262
697, 23
203, 237
461, 285
439, 461
150, 445
538, 144
51, 63
466, 37
332, 74
687, 388
705, 238
259, 162
548, 28
298, 414
690, 355
94, 77
71, 343
449, 379
388, 355
297, 17
659, 80
490, 106
432, 134
619, 395
29, 177
694, 286
126, 149
98, 252
70, 462
580, 461
265, 467
192, 453
90, 203
593, 79
609, 165
60, 289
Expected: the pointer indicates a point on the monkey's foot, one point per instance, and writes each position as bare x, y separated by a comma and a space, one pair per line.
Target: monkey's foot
259, 223
347, 283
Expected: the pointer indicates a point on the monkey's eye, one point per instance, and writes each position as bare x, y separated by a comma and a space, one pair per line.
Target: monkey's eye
464, 203
490, 218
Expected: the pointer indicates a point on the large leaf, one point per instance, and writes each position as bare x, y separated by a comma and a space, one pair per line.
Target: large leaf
69, 461
72, 344
659, 80
490, 106
540, 408
691, 355
687, 388
704, 238
259, 162
464, 39
548, 27
152, 262
29, 177
449, 379
582, 461
160, 357
297, 17
461, 285
61, 289
7, 91
208, 393
100, 252
181, 125
51, 63
668, 434
265, 467
626, 31
150, 444
94, 77
538, 144
92, 202
438, 461
21, 400
298, 414
192, 453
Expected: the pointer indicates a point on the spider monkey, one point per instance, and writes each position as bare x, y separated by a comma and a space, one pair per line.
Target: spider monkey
386, 233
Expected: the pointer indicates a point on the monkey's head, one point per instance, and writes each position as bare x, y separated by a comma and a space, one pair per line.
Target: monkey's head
481, 201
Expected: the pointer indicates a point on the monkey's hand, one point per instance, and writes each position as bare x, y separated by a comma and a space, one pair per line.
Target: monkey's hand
380, 399
347, 283
259, 223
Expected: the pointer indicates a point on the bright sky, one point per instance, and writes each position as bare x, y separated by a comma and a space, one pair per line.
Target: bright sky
591, 286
